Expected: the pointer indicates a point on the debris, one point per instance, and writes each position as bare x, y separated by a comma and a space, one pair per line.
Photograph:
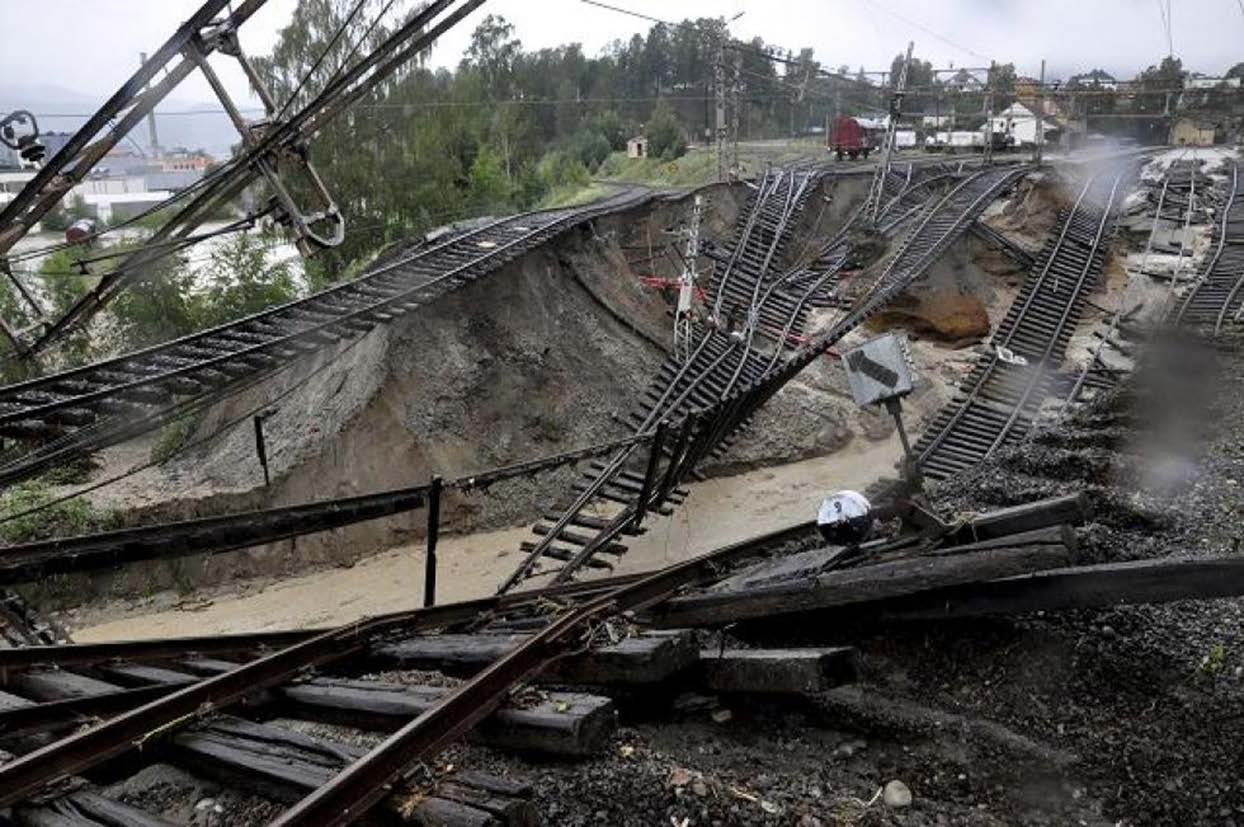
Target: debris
679, 777
897, 795
722, 716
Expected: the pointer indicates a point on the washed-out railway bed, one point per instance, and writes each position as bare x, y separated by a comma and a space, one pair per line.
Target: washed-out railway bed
75, 412
1000, 398
220, 706
727, 372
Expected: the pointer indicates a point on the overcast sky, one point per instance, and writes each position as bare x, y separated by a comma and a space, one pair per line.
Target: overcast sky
91, 46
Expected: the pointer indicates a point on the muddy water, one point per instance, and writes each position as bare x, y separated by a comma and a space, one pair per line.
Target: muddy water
717, 512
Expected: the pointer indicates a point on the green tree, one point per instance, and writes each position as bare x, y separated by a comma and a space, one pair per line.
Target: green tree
489, 189
665, 138
240, 281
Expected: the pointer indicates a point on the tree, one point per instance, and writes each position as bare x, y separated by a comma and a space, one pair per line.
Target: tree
665, 138
240, 281
493, 52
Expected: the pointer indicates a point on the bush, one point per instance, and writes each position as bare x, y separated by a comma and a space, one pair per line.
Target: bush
665, 138
172, 437
591, 148
562, 169
241, 282
65, 519
72, 472
610, 125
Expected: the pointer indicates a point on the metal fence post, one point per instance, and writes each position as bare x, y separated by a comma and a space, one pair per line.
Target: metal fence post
434, 527
261, 449
650, 476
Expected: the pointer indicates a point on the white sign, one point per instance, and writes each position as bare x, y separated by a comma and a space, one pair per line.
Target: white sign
879, 369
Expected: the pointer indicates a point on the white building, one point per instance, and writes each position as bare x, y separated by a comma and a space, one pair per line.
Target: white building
1020, 123
111, 199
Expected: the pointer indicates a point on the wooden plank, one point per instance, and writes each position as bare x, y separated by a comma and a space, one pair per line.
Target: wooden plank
560, 723
649, 658
779, 671
1070, 509
285, 766
135, 674
58, 685
1080, 587
9, 701
846, 587
85, 809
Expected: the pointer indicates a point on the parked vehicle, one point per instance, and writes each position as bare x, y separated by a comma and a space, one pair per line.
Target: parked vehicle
848, 137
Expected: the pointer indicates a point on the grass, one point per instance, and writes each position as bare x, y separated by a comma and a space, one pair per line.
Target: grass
76, 516
172, 436
696, 168
572, 196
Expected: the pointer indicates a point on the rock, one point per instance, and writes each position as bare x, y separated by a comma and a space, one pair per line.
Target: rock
896, 795
848, 748
679, 777
699, 788
810, 821
722, 716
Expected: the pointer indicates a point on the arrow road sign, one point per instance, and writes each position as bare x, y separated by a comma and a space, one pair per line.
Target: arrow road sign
878, 370
859, 362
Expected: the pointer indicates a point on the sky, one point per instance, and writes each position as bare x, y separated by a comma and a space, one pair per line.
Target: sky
91, 46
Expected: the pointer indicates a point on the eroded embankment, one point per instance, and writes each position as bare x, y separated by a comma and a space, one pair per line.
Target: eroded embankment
544, 355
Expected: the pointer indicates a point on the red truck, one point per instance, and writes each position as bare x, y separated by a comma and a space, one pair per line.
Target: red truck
847, 136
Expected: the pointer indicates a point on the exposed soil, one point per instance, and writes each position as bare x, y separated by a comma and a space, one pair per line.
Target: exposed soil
542, 356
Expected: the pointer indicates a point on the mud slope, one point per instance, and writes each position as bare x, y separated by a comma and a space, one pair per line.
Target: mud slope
545, 355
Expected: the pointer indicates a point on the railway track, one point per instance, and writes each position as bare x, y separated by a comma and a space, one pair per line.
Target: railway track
162, 689
1000, 398
732, 371
81, 410
1217, 297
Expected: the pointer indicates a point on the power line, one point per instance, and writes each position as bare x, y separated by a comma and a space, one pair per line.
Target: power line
927, 30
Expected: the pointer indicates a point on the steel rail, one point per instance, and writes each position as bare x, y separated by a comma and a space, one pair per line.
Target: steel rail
347, 797
1068, 307
74, 754
378, 310
962, 410
227, 532
734, 408
1204, 279
662, 408
354, 288
1239, 282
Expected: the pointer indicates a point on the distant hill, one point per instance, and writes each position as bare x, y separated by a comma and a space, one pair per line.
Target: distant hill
179, 123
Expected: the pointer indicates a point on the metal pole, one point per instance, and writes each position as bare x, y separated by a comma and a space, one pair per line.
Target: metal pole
911, 466
434, 528
261, 450
650, 476
872, 207
719, 77
989, 115
734, 117
1036, 157
151, 121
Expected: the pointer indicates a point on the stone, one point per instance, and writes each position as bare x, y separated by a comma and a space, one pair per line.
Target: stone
722, 716
896, 795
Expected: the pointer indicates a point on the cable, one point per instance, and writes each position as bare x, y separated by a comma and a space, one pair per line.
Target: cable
341, 30
927, 30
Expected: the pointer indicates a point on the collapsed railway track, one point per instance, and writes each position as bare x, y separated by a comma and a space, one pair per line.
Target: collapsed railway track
1217, 296
728, 371
740, 373
1000, 398
74, 412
